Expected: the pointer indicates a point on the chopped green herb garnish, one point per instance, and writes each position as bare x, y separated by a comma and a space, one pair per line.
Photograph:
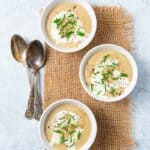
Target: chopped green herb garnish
110, 72
71, 145
113, 68
105, 57
74, 22
98, 92
123, 75
72, 117
80, 33
68, 34
115, 64
61, 118
105, 76
78, 135
71, 15
112, 91
110, 65
102, 81
96, 73
57, 20
62, 139
74, 126
72, 131
91, 87
59, 124
69, 120
100, 66
64, 25
115, 78
58, 131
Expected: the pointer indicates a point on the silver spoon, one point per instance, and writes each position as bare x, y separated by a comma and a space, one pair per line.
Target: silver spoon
18, 49
35, 59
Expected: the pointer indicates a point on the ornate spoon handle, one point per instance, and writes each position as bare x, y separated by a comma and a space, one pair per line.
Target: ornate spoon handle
37, 101
30, 106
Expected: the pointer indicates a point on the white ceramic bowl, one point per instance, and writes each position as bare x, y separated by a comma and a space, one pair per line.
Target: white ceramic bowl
110, 47
76, 103
89, 10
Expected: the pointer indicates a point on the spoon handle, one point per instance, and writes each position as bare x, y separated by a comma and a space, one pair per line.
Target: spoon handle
29, 76
37, 99
30, 106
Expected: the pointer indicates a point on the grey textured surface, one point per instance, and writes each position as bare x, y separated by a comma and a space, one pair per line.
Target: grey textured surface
22, 16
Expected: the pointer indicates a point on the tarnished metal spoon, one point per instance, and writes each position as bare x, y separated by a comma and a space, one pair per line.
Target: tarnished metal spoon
35, 59
18, 49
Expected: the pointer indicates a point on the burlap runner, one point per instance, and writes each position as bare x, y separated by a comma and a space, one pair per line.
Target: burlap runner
62, 81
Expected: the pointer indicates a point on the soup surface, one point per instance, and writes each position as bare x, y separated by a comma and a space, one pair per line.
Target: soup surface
68, 24
67, 127
108, 73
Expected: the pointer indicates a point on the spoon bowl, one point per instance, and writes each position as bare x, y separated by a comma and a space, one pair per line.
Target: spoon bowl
18, 48
36, 55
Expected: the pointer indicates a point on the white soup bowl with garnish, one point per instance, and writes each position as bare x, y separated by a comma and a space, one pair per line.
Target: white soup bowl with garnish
108, 73
68, 30
64, 105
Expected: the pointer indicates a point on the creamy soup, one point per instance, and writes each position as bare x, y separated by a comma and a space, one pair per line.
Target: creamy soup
68, 24
67, 127
108, 73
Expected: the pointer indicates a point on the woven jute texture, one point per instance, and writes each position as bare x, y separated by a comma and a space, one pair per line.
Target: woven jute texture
62, 81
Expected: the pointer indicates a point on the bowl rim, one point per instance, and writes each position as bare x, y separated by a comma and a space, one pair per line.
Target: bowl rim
86, 5
116, 48
77, 103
